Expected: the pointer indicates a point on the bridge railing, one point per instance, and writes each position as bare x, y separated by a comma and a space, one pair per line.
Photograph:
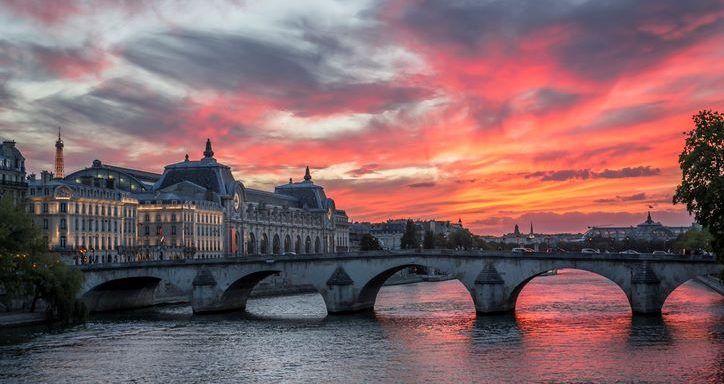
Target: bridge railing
414, 253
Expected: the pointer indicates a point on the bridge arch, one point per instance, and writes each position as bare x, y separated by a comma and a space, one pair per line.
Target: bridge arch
668, 287
368, 294
517, 287
236, 294
122, 293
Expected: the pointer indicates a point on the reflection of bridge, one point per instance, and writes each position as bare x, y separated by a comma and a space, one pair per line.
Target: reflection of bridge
350, 282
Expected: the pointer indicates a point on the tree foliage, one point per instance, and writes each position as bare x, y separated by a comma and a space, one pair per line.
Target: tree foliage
702, 179
369, 243
410, 239
428, 242
27, 270
460, 239
693, 240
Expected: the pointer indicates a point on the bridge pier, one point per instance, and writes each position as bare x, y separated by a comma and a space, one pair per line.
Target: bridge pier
645, 291
340, 294
489, 293
206, 297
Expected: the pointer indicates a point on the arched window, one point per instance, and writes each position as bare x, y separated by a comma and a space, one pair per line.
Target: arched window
287, 244
264, 245
276, 246
251, 244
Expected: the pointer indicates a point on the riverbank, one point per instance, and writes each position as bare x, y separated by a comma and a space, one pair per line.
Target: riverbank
14, 319
712, 283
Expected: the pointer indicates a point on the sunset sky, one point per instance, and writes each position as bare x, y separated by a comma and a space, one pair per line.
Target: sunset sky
564, 113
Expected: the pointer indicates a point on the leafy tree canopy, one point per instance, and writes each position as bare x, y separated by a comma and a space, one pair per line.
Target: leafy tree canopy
28, 270
409, 238
702, 179
369, 243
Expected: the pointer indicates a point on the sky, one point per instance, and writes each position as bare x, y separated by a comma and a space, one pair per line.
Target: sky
563, 113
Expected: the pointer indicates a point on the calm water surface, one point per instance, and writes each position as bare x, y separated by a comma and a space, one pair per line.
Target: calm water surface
573, 327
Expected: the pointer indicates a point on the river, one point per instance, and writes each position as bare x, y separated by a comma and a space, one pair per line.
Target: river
572, 327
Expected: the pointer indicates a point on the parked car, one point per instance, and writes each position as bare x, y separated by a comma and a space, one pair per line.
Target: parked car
630, 252
590, 250
522, 250
660, 253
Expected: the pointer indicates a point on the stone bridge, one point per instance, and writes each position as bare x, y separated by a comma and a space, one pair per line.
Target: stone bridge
350, 282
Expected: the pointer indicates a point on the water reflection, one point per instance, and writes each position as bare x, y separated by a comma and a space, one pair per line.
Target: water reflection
573, 327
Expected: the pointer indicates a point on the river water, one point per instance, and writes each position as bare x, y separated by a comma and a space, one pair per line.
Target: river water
572, 327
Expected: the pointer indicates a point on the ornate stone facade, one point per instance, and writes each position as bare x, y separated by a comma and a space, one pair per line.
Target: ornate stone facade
83, 222
12, 171
195, 209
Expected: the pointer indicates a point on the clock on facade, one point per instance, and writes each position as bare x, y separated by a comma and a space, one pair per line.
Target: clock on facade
237, 201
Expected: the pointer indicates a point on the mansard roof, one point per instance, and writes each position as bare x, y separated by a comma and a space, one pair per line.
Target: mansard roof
8, 150
126, 179
185, 191
205, 172
309, 194
258, 196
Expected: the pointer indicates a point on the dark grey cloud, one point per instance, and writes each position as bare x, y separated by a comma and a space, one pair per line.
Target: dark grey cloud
294, 79
628, 172
550, 99
603, 38
364, 170
21, 60
425, 184
626, 116
122, 104
568, 174
225, 61
540, 101
7, 99
635, 197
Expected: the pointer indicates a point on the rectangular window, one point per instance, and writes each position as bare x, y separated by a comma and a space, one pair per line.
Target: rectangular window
62, 224
63, 241
45, 223
63, 207
45, 207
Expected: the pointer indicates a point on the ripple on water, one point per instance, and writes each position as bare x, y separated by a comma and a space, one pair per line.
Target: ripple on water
573, 327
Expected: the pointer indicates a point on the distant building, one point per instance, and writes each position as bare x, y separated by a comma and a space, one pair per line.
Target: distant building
646, 231
12, 172
195, 209
390, 233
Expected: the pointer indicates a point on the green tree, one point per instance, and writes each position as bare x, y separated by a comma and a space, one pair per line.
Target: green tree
460, 239
440, 241
410, 239
702, 176
428, 242
27, 270
369, 243
693, 239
